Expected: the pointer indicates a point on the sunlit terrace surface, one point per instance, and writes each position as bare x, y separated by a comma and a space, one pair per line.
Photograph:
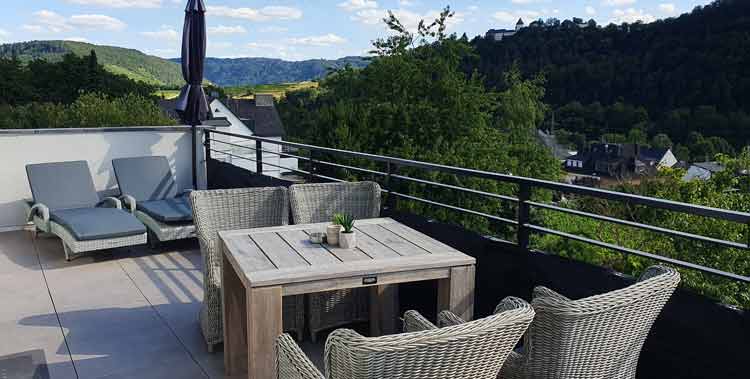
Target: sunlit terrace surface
132, 312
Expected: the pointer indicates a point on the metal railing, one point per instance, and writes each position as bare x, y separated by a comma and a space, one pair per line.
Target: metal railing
522, 222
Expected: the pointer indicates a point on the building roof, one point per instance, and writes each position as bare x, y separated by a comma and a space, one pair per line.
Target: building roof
520, 21
649, 154
264, 121
710, 166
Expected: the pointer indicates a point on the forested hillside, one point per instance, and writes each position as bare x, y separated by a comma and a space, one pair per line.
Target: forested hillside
131, 63
253, 71
676, 77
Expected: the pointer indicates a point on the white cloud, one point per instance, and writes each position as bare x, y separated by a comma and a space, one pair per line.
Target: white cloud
510, 18
590, 10
631, 15
97, 22
252, 14
668, 8
322, 40
120, 3
355, 5
51, 22
4, 34
618, 3
406, 3
76, 39
221, 29
524, 1
220, 45
167, 34
273, 29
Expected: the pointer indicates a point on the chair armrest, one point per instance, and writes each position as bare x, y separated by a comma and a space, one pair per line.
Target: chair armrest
129, 202
541, 291
114, 201
186, 192
448, 318
415, 322
510, 303
291, 361
40, 210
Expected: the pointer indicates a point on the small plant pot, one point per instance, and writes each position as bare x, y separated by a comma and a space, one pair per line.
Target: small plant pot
332, 234
348, 240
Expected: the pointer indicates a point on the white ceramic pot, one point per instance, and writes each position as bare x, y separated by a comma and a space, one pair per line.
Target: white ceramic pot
332, 234
348, 240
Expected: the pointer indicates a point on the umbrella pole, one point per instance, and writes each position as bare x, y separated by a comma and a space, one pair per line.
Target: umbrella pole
195, 156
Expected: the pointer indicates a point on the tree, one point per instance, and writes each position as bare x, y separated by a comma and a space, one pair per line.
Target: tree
415, 101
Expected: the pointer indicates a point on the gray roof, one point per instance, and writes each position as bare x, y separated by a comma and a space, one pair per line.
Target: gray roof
264, 121
710, 166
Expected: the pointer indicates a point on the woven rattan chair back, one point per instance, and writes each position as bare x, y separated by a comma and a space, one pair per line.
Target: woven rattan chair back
475, 349
595, 337
233, 209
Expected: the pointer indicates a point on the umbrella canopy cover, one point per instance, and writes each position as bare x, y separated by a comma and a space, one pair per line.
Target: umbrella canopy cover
192, 104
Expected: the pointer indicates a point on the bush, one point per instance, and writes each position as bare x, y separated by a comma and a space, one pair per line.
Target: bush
90, 110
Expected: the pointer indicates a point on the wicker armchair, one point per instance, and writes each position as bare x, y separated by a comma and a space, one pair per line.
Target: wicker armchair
312, 203
597, 337
474, 350
220, 210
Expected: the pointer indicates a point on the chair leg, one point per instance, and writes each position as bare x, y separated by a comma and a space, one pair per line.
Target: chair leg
153, 240
211, 348
67, 251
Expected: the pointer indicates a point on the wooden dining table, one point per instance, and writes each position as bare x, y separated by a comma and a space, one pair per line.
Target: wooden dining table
262, 265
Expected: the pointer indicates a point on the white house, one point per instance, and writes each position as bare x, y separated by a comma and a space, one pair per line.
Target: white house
498, 34
257, 117
702, 171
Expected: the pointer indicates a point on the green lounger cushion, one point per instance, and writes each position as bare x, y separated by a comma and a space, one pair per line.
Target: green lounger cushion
88, 224
168, 210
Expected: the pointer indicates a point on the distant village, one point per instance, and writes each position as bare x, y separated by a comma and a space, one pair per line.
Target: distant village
604, 164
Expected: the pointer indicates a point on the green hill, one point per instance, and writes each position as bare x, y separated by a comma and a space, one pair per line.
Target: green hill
129, 62
257, 71
163, 72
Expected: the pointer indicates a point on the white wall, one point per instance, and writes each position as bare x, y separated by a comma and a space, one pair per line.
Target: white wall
98, 147
238, 127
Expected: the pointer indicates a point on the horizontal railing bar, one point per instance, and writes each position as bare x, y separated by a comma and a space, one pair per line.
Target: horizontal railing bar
640, 253
264, 163
657, 229
456, 188
458, 209
723, 214
263, 150
350, 167
329, 178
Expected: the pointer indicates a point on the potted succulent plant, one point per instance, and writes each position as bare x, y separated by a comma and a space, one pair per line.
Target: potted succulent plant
333, 230
347, 237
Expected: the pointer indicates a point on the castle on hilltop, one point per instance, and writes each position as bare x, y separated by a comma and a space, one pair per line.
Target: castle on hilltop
499, 34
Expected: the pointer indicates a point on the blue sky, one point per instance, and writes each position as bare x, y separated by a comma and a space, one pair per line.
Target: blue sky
291, 29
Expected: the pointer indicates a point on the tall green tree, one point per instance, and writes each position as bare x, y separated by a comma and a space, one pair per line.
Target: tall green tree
415, 101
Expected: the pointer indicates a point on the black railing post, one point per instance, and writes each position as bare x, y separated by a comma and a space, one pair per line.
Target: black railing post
207, 143
390, 200
313, 167
524, 195
258, 157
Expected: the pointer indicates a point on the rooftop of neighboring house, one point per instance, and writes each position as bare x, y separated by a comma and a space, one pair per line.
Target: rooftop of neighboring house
259, 114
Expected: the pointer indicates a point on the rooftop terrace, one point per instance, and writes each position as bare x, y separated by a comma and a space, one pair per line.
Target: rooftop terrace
132, 312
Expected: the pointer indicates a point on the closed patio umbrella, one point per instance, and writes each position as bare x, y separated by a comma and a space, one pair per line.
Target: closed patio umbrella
192, 104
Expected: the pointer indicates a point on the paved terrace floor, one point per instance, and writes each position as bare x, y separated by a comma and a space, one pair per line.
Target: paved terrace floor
125, 313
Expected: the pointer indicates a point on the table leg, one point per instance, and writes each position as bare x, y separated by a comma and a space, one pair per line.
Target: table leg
264, 320
383, 309
457, 292
235, 320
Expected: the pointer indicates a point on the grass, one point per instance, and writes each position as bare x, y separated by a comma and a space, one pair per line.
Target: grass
277, 90
168, 94
248, 92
